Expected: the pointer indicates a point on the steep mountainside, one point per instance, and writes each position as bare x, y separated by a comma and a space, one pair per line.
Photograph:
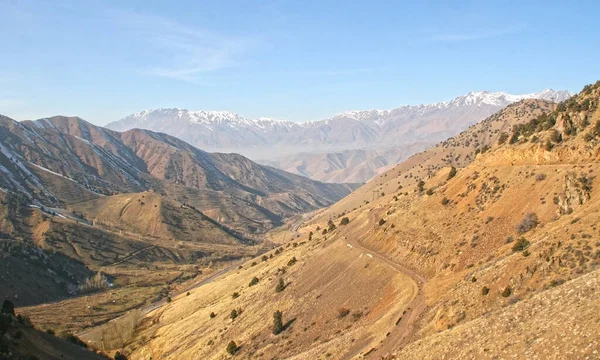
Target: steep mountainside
495, 235
49, 158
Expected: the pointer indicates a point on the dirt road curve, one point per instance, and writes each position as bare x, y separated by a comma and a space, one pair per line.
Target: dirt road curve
405, 327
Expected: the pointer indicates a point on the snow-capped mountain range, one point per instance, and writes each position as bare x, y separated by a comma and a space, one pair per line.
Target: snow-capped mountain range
268, 138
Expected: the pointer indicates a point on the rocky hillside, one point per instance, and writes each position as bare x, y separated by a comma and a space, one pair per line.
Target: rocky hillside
497, 221
66, 160
494, 231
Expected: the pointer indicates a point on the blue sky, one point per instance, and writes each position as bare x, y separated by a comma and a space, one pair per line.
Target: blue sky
293, 60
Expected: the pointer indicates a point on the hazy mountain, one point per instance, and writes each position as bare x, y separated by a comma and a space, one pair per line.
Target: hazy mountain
373, 132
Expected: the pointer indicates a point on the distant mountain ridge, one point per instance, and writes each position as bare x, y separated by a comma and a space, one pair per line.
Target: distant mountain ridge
227, 131
276, 142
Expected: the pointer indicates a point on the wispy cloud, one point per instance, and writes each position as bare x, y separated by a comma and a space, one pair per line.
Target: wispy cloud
10, 103
338, 72
474, 35
185, 52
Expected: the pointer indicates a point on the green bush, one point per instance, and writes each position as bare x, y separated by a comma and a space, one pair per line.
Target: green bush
507, 291
253, 282
452, 173
280, 285
232, 348
344, 221
234, 314
520, 245
277, 322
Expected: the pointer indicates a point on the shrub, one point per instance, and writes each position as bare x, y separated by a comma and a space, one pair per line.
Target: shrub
277, 322
232, 348
540, 177
331, 227
8, 308
73, 339
344, 221
421, 185
235, 295
280, 285
530, 221
520, 245
452, 173
292, 261
253, 282
502, 139
381, 222
233, 314
265, 258
429, 192
507, 291
485, 290
445, 201
119, 356
169, 299
310, 234
213, 315
343, 312
188, 294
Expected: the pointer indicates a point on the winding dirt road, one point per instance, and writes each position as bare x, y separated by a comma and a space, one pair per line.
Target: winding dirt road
405, 327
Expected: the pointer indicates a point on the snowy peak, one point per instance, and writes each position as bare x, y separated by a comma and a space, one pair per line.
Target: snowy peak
204, 117
503, 98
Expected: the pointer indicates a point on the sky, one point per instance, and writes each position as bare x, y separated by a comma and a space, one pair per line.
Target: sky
290, 60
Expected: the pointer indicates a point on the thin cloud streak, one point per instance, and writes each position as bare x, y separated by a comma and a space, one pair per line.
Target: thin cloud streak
473, 36
188, 51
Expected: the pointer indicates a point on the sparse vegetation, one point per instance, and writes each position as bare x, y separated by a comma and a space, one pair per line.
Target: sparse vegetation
452, 173
277, 322
343, 312
344, 221
253, 282
280, 285
234, 314
520, 245
381, 222
506, 292
232, 348
529, 221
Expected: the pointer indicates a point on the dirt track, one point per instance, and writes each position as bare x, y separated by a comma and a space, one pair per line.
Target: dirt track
405, 327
